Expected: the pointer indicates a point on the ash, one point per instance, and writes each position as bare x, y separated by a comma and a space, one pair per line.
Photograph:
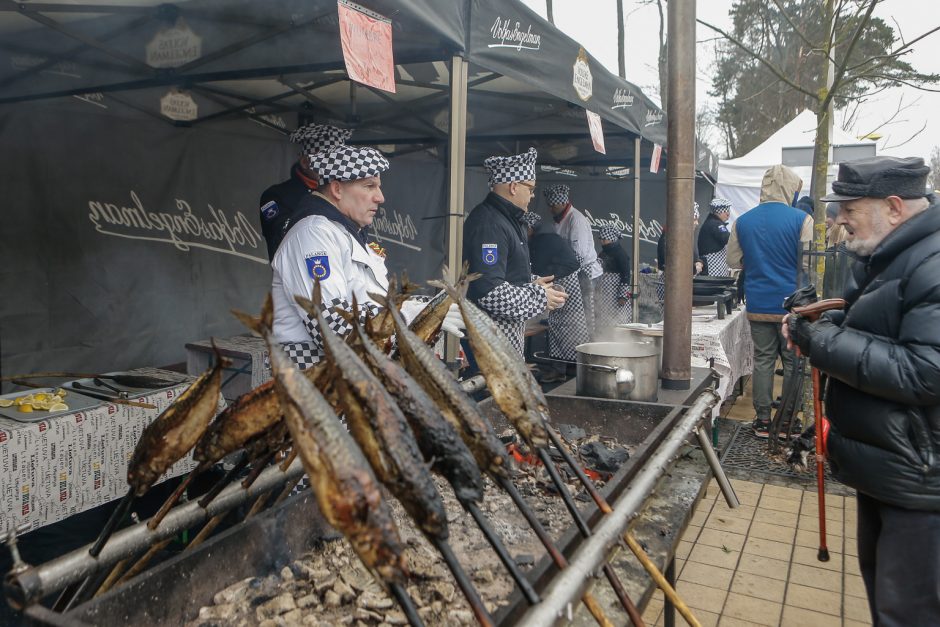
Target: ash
330, 586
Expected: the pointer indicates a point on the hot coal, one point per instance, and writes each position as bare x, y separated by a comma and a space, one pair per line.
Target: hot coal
596, 455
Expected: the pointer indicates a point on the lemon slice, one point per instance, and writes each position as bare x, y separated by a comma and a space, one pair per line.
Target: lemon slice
24, 400
26, 408
58, 407
40, 396
6, 402
61, 392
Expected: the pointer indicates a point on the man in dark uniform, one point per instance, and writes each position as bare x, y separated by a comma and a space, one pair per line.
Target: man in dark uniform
713, 238
567, 328
882, 355
614, 287
284, 204
495, 244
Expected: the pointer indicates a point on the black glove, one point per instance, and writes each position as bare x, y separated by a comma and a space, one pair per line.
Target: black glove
802, 332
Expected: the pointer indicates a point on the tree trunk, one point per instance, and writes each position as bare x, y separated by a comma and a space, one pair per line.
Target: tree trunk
621, 52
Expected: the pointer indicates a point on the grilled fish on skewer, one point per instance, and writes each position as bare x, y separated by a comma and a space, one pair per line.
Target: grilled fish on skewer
437, 439
509, 381
427, 324
456, 407
168, 438
250, 414
380, 429
346, 490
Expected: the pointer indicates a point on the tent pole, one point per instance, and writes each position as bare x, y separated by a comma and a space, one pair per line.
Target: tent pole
457, 163
635, 302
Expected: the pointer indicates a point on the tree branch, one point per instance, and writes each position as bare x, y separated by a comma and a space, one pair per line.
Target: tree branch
908, 139
793, 25
775, 71
840, 70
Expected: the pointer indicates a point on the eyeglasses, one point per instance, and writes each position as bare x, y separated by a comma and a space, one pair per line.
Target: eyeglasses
531, 186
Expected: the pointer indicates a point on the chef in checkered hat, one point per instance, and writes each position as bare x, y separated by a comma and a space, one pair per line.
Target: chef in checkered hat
713, 238
495, 244
574, 227
282, 205
330, 244
614, 289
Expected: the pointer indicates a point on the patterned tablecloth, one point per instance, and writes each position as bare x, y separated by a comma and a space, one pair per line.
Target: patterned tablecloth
53, 469
725, 344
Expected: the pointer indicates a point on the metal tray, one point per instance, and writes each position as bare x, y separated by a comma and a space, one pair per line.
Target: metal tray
75, 401
130, 393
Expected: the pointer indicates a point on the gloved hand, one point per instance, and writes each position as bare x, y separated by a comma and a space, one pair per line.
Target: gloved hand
802, 332
410, 309
453, 321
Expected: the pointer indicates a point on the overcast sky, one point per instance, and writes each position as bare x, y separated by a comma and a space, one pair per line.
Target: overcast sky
596, 28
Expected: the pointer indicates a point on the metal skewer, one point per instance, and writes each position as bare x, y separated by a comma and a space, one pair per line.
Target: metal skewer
590, 602
407, 604
463, 582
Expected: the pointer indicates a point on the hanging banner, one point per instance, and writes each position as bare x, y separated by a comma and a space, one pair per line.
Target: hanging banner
597, 131
367, 46
655, 158
174, 46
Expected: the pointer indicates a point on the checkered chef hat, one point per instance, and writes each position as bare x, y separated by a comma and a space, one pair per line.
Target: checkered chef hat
719, 204
557, 195
695, 210
530, 218
609, 233
514, 168
349, 163
317, 138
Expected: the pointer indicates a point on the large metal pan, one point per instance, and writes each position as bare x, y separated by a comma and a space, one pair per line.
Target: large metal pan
618, 370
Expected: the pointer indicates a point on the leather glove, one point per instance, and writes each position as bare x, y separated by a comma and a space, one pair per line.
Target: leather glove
453, 321
802, 332
410, 309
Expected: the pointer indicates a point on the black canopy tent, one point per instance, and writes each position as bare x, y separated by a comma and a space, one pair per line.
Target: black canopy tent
473, 78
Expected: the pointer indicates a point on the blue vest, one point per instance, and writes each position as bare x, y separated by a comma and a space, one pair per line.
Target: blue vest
769, 236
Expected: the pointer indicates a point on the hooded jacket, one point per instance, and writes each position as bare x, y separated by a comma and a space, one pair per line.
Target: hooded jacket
882, 355
766, 242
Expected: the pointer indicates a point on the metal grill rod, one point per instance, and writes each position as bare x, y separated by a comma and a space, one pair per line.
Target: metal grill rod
569, 585
39, 581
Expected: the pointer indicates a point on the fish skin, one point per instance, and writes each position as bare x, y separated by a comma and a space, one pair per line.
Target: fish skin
507, 377
346, 490
246, 417
437, 439
176, 430
456, 407
381, 430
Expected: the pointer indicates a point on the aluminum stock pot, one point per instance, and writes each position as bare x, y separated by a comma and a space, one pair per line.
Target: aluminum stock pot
618, 370
630, 334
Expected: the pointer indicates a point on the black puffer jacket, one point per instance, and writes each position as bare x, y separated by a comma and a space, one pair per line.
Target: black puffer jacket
883, 358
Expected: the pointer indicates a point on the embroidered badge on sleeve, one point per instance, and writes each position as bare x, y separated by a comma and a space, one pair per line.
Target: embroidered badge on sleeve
269, 210
318, 266
490, 254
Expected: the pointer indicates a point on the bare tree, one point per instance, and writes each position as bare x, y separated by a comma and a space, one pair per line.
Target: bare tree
819, 54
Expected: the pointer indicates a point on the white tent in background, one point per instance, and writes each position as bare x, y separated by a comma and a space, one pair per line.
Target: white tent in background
739, 180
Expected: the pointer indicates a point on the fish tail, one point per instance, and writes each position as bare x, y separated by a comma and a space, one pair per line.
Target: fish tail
219, 358
256, 324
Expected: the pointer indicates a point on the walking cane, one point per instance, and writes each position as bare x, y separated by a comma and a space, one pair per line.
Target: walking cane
812, 313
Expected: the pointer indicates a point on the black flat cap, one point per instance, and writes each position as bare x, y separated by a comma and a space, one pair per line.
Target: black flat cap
880, 177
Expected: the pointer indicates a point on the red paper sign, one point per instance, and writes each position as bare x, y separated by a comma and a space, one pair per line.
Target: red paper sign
597, 131
367, 46
654, 160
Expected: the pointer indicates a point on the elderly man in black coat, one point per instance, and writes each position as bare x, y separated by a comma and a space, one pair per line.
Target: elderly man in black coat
882, 355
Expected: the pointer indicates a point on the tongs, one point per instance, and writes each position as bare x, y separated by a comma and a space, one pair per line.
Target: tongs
87, 390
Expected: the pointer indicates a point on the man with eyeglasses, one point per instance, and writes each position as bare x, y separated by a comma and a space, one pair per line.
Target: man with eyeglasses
575, 229
495, 244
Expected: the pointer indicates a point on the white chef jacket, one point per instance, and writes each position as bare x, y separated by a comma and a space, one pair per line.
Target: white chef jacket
317, 245
576, 230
